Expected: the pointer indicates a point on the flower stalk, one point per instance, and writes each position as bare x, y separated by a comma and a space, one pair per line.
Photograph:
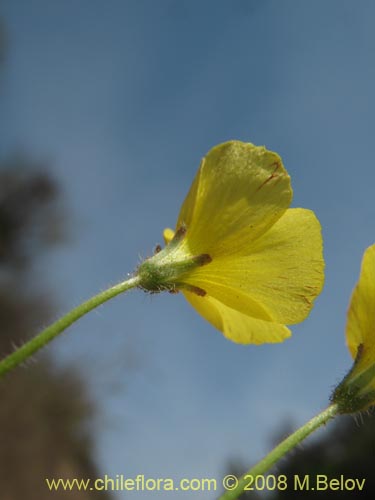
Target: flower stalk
280, 450
45, 336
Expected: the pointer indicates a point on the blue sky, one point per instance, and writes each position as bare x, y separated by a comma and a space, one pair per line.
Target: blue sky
123, 98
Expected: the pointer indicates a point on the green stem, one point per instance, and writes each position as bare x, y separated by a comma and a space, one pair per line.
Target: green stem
45, 336
281, 449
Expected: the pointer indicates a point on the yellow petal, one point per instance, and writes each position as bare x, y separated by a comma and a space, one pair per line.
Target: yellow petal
168, 234
356, 391
236, 326
280, 275
239, 192
360, 327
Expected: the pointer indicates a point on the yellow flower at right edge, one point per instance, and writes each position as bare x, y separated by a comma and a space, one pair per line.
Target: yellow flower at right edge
357, 390
245, 261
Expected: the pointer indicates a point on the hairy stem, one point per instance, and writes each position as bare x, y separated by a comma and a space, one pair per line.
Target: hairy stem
35, 344
279, 451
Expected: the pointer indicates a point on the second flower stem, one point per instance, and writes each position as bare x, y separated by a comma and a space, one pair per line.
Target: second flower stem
29, 348
280, 450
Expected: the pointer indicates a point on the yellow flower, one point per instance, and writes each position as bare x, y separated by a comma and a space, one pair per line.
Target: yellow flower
243, 260
357, 390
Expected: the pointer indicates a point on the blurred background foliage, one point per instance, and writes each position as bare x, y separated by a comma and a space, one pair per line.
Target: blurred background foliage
46, 413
